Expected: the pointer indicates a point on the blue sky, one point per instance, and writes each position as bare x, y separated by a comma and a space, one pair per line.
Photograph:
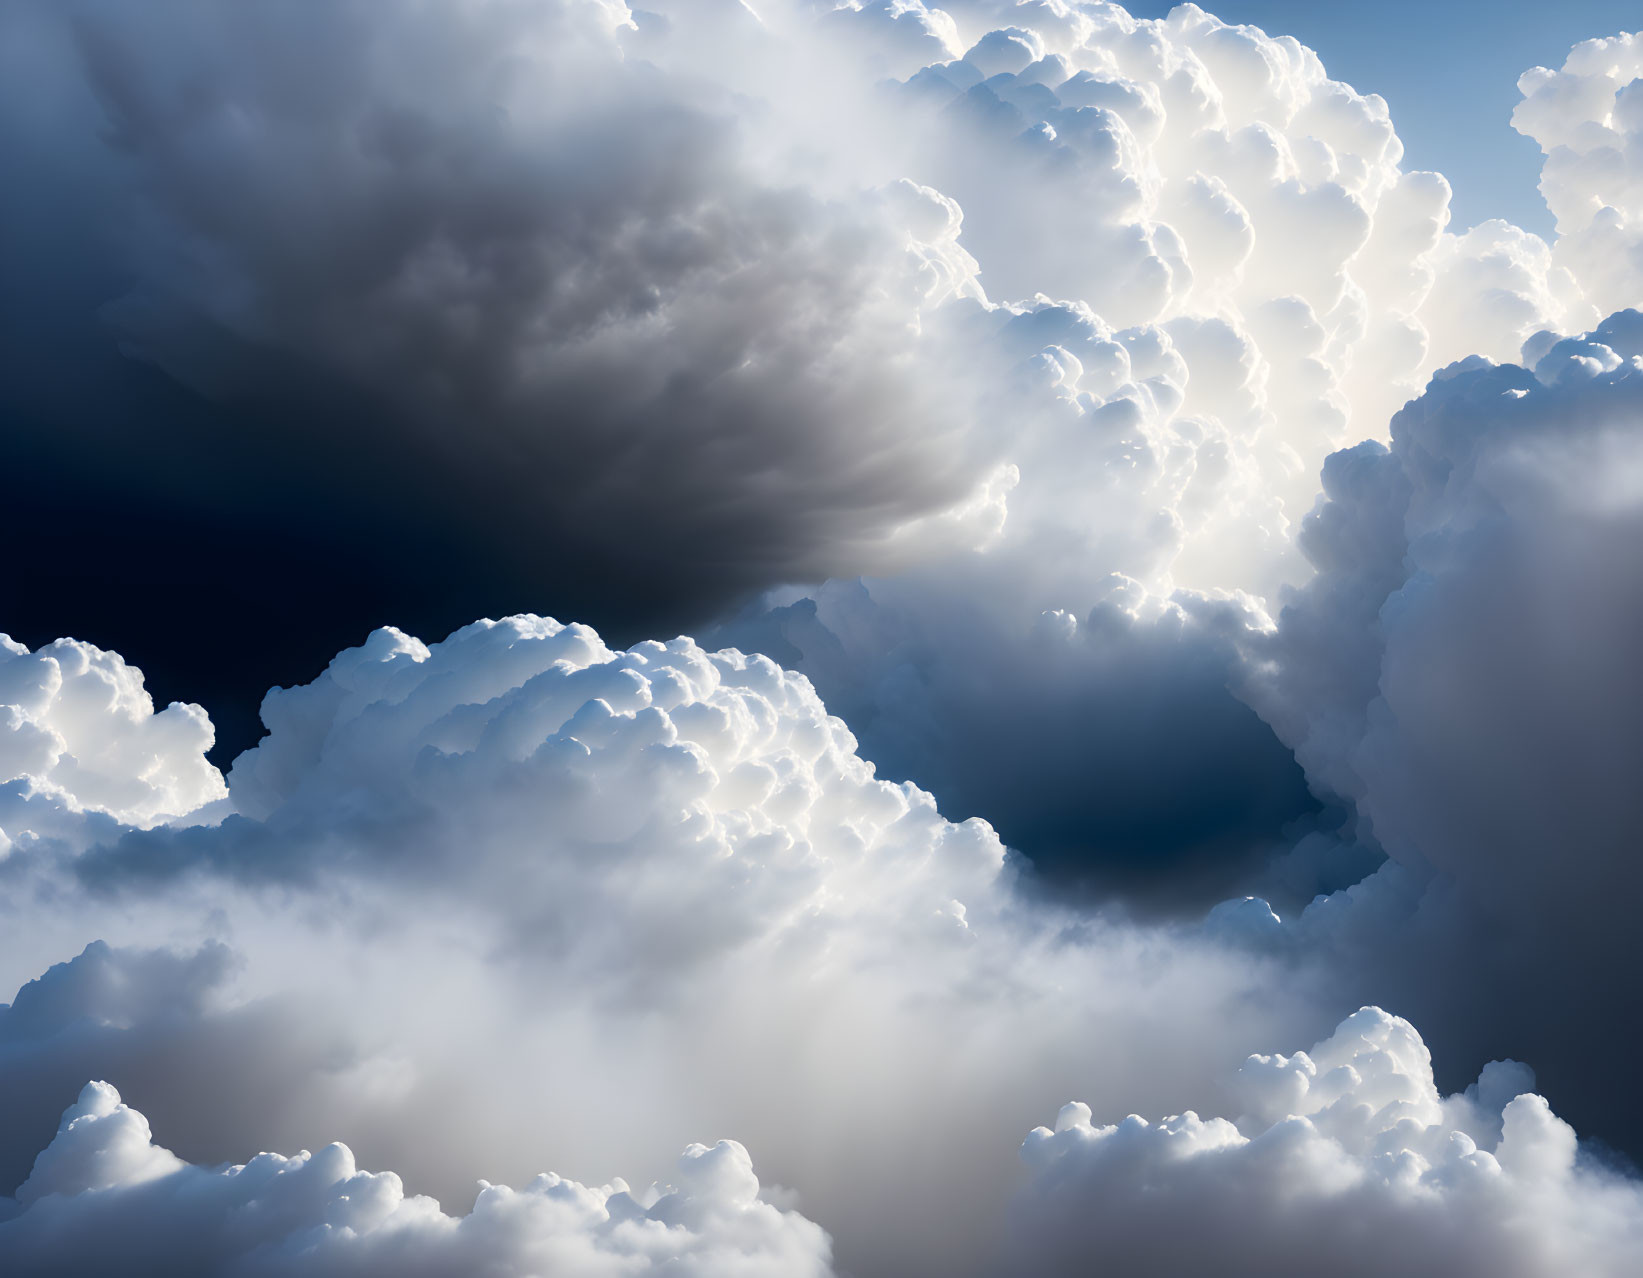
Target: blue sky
1449, 69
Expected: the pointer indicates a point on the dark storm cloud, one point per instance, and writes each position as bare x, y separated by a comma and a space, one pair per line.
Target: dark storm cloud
555, 268
457, 314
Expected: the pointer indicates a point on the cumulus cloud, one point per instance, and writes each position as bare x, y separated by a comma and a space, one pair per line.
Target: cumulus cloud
1213, 181
1347, 1160
102, 1195
662, 892
1249, 279
705, 800
1587, 117
1461, 672
78, 727
657, 309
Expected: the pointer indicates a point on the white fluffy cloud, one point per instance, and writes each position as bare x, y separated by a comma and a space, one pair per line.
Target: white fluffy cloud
690, 803
662, 893
1265, 282
103, 1195
77, 726
1346, 1160
1587, 117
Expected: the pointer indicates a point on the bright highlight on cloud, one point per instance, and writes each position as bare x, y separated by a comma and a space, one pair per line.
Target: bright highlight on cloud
78, 728
969, 376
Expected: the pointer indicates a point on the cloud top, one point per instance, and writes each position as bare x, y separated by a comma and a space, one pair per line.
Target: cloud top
77, 725
1346, 1160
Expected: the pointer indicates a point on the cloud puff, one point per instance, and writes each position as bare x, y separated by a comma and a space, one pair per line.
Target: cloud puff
102, 1195
1587, 117
77, 726
705, 801
1215, 182
1461, 671
615, 282
1346, 1160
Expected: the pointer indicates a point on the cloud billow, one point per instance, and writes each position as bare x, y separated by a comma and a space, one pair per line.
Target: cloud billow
1348, 1159
963, 379
631, 315
667, 894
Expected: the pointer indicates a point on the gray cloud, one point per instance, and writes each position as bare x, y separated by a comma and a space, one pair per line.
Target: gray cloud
1461, 672
559, 271
167, 1027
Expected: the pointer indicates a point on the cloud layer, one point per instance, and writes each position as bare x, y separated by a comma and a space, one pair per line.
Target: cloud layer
968, 375
649, 311
102, 1195
666, 894
1346, 1157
